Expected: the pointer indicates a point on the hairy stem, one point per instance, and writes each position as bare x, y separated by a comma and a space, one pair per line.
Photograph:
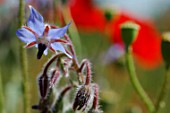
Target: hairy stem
58, 105
65, 90
24, 63
86, 63
72, 50
96, 96
74, 59
135, 82
164, 90
51, 61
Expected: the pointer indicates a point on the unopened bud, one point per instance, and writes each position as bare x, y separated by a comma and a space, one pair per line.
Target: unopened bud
165, 47
108, 14
129, 32
55, 77
82, 98
44, 83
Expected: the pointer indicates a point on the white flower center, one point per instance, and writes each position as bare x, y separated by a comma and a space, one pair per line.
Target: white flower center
43, 40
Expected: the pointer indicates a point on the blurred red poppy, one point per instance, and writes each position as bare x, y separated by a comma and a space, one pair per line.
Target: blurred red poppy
146, 48
2, 2
86, 15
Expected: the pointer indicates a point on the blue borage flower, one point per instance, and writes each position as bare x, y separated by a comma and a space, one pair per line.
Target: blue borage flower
41, 35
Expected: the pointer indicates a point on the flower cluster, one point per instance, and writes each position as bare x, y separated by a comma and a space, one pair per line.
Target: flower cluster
44, 37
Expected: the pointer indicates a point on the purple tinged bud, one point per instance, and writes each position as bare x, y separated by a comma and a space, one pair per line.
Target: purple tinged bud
44, 83
82, 98
55, 76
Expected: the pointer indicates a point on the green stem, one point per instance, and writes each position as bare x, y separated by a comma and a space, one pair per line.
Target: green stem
164, 90
23, 62
1, 95
135, 82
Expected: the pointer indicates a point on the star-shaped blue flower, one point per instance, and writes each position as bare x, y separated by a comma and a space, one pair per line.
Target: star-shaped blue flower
41, 35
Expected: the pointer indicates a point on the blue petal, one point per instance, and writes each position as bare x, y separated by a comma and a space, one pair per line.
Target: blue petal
25, 36
35, 14
36, 26
59, 47
46, 51
57, 33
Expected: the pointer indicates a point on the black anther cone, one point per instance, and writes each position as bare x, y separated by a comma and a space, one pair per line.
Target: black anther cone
41, 48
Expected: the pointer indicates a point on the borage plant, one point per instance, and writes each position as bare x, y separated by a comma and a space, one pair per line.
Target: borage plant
45, 36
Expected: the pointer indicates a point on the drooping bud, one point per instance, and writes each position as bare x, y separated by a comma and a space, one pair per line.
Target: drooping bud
55, 77
129, 32
44, 83
82, 98
165, 47
41, 49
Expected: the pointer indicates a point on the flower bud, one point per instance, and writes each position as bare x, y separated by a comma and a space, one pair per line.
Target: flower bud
44, 83
82, 98
165, 47
54, 78
129, 32
108, 14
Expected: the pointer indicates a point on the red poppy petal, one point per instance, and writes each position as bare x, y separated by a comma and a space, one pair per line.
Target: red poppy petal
86, 15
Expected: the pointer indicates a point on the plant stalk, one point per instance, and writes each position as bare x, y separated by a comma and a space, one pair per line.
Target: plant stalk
23, 62
135, 82
164, 90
